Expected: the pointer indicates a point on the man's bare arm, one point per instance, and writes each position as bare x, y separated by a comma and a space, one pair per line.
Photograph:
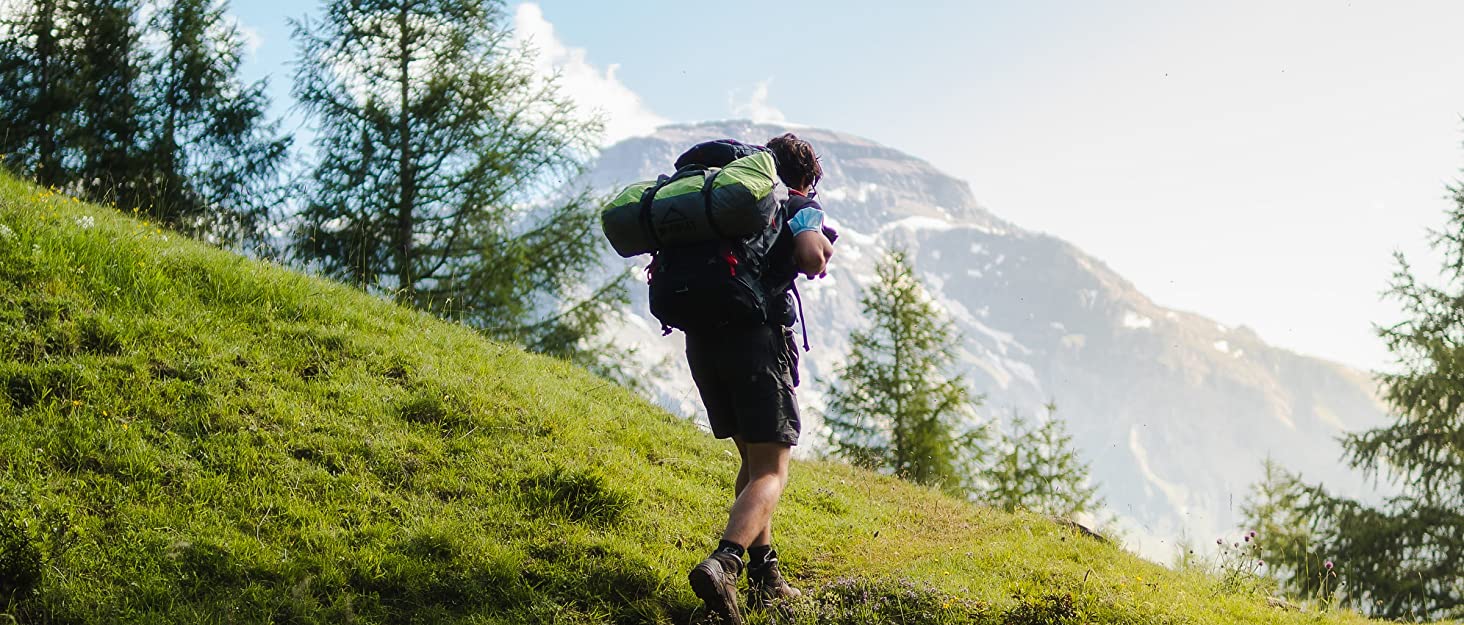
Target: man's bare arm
811, 253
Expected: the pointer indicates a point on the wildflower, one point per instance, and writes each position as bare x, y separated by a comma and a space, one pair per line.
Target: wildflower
1252, 533
1220, 541
86, 222
6, 232
1327, 564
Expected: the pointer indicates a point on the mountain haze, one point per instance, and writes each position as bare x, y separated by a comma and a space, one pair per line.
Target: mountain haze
1175, 411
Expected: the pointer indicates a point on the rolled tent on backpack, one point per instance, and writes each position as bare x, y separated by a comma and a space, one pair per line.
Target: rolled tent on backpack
695, 205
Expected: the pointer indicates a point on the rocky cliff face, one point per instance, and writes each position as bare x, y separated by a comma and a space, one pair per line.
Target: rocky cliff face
1174, 411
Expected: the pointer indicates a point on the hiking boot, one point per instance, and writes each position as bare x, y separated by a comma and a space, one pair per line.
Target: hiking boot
715, 582
765, 583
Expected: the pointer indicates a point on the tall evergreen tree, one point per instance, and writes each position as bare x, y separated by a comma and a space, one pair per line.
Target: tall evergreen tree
166, 128
894, 406
38, 71
213, 160
1037, 468
1285, 534
1404, 558
436, 145
109, 129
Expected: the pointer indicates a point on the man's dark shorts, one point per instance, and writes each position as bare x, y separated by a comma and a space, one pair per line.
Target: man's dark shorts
746, 378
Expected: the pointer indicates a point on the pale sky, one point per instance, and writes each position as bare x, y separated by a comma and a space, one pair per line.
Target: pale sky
1256, 162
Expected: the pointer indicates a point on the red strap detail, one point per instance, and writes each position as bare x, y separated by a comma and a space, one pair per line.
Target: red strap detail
731, 261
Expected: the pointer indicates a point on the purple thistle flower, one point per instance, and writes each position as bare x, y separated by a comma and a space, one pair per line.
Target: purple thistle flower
1327, 564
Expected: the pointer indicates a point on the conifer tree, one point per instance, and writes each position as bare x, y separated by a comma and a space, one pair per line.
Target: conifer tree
213, 161
1404, 558
895, 406
1285, 535
437, 149
38, 71
167, 128
108, 131
1037, 468
74, 119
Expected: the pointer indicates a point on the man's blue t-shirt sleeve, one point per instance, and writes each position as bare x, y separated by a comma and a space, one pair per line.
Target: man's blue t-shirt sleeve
807, 219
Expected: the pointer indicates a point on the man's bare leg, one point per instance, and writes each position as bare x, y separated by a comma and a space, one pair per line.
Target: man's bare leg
760, 482
763, 476
765, 537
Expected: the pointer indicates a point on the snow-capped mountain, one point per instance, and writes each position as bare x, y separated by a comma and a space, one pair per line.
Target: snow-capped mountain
1175, 412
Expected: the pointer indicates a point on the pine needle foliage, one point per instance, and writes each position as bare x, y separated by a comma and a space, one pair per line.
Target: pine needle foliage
1404, 558
438, 148
36, 67
894, 407
146, 114
1036, 467
215, 161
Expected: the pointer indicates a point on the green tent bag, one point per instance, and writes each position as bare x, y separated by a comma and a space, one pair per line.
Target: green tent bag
695, 205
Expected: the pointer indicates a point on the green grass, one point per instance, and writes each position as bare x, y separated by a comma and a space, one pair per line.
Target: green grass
189, 436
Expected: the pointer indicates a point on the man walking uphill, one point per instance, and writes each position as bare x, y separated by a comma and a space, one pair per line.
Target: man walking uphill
746, 377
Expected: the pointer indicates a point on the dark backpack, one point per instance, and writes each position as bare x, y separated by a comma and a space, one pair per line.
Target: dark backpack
718, 283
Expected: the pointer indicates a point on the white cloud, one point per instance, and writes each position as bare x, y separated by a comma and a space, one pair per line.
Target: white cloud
756, 107
594, 91
249, 35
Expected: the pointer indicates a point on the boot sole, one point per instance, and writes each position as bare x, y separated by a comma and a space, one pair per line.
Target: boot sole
714, 595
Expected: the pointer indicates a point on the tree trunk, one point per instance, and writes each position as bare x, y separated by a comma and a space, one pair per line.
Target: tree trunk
48, 165
406, 281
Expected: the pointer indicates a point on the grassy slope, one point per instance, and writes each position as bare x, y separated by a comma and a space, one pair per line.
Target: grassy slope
191, 436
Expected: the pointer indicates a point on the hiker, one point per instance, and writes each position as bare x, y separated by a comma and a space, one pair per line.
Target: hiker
746, 377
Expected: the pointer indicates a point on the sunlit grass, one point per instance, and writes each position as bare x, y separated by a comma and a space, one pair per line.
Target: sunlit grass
189, 436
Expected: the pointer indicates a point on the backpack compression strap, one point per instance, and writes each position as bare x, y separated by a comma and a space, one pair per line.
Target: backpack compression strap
647, 197
707, 201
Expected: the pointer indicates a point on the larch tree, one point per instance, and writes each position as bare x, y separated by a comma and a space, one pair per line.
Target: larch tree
214, 161
895, 405
146, 114
1036, 467
108, 131
37, 68
438, 158
1401, 558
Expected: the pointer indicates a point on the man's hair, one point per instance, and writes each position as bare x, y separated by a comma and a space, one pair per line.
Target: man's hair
797, 164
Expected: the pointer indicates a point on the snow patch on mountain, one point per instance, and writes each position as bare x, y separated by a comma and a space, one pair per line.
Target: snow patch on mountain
1136, 321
